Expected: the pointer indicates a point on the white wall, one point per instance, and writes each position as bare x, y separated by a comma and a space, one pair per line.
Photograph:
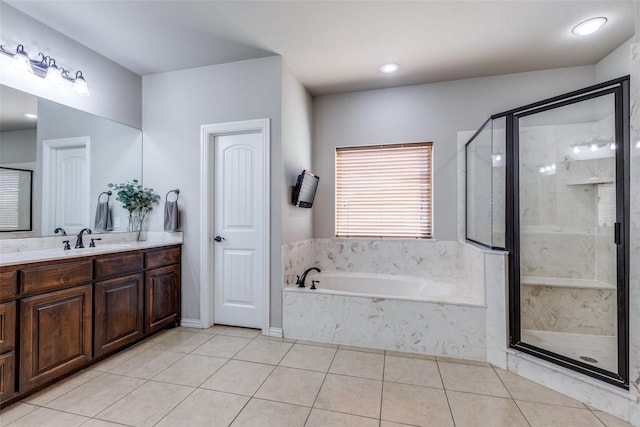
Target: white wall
18, 146
616, 64
297, 223
429, 112
116, 92
176, 104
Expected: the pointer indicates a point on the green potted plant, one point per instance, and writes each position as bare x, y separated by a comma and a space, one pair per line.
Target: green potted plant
137, 200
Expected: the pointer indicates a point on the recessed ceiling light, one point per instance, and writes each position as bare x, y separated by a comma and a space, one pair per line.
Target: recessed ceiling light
589, 26
389, 68
31, 116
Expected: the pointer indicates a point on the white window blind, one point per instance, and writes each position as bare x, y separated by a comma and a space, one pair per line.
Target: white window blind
384, 191
9, 199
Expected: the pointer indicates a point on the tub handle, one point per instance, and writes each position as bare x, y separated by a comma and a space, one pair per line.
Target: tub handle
313, 284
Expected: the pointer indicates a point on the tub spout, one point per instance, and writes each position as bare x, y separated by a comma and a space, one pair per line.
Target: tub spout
301, 279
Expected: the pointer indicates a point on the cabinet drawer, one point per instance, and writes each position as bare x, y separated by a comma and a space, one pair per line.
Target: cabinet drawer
7, 376
57, 275
118, 265
8, 283
161, 257
7, 326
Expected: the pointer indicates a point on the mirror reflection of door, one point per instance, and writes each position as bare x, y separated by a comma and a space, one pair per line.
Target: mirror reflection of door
66, 184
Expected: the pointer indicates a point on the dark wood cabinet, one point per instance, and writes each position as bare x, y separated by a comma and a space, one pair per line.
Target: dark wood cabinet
7, 326
57, 317
7, 375
7, 350
118, 313
55, 334
162, 294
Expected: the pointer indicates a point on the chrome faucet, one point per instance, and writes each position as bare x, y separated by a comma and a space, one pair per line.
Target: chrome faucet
301, 279
79, 244
60, 230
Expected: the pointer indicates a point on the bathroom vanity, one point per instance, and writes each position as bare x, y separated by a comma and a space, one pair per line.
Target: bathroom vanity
60, 315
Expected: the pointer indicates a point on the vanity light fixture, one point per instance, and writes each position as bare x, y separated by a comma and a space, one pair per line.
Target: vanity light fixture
390, 68
589, 26
45, 68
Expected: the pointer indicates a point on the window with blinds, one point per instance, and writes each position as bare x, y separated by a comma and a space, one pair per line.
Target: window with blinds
9, 199
384, 191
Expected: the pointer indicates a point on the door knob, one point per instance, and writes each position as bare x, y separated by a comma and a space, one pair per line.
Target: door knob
218, 239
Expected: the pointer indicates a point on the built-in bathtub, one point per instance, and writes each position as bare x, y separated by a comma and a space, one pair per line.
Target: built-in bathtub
429, 315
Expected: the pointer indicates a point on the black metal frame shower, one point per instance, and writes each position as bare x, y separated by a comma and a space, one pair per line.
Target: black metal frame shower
620, 89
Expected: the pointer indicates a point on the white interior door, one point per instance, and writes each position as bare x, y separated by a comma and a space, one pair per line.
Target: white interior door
67, 185
239, 268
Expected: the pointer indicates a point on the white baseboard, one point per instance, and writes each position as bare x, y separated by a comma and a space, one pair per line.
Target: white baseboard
190, 323
275, 332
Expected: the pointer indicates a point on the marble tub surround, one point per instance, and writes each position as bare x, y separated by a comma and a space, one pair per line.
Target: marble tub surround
410, 326
18, 251
435, 325
407, 257
297, 257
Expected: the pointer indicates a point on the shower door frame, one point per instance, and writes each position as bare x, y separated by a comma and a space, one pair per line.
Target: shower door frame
620, 89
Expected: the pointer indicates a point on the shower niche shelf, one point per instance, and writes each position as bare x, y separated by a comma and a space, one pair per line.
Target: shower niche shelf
558, 282
590, 181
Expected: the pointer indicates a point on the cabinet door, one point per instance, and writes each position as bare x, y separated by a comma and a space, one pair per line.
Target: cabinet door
7, 376
7, 326
55, 334
162, 294
118, 315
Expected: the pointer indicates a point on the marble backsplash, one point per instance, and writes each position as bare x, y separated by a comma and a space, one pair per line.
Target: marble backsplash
422, 258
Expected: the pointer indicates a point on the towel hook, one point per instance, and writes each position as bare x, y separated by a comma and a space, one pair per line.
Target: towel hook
166, 198
108, 193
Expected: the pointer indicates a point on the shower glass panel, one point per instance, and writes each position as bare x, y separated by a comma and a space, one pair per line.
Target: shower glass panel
485, 184
567, 216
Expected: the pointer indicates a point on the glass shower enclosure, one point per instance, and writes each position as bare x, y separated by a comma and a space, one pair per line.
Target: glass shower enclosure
548, 182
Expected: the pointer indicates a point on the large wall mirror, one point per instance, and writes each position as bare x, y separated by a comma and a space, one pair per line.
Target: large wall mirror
73, 156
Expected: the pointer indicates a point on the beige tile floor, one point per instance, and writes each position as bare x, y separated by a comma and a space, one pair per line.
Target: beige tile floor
232, 376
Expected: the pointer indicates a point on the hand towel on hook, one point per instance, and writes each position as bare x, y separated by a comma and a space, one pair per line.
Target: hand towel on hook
103, 214
171, 213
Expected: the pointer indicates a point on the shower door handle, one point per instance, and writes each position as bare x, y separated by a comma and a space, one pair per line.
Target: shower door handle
616, 233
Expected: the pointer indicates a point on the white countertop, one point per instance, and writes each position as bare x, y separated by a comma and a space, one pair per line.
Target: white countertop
21, 251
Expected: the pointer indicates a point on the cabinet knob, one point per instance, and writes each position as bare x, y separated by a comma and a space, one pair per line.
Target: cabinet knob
218, 239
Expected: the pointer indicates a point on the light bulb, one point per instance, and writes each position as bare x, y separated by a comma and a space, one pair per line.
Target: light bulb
589, 26
593, 147
498, 157
542, 169
389, 68
612, 146
553, 166
80, 84
21, 61
54, 75
576, 149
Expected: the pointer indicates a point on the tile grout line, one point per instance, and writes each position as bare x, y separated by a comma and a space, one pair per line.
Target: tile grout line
511, 395
446, 396
261, 384
313, 405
